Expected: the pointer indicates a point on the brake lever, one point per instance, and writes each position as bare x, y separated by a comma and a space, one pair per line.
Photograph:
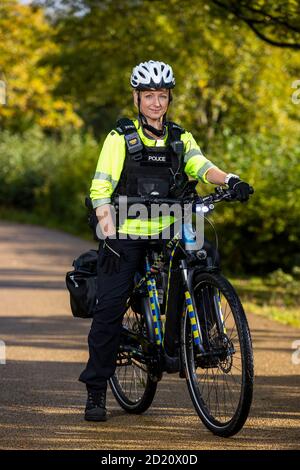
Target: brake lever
230, 195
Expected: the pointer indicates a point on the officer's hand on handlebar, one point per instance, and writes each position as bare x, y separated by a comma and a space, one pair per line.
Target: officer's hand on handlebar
241, 188
111, 256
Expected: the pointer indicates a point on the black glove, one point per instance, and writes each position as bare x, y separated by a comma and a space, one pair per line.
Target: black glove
241, 188
111, 256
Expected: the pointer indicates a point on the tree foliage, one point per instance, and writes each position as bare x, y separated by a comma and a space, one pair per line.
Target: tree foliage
276, 22
226, 77
26, 37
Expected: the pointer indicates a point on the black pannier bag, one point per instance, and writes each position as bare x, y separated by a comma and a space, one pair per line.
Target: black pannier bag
82, 285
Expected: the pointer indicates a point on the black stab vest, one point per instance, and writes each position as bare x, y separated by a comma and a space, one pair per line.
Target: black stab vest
149, 170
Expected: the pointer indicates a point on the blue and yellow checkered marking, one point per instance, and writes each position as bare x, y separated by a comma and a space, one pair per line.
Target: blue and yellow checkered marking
154, 310
192, 316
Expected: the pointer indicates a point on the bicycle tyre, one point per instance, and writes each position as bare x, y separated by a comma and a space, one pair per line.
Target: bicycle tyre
135, 398
218, 367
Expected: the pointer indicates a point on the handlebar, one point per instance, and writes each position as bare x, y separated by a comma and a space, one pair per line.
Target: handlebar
220, 194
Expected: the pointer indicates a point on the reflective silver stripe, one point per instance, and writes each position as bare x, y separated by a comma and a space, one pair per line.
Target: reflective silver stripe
203, 169
105, 176
110, 248
192, 153
100, 202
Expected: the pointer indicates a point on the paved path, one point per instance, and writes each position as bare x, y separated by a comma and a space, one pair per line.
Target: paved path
41, 401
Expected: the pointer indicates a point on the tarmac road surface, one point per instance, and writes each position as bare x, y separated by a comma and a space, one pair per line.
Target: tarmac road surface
42, 401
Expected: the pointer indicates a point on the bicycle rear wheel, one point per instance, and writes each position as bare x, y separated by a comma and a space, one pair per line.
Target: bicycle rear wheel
220, 379
132, 384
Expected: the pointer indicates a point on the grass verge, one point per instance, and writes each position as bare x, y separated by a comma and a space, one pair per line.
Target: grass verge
275, 302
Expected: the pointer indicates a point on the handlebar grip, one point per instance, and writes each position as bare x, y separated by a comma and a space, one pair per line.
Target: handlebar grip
232, 192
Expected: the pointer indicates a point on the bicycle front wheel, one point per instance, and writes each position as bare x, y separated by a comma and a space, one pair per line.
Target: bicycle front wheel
220, 377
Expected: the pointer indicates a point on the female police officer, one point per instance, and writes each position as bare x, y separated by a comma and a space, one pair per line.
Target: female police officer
137, 158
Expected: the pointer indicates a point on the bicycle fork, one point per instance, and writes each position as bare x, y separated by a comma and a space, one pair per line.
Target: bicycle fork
190, 307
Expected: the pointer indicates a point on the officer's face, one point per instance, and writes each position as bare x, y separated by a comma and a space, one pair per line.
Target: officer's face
154, 103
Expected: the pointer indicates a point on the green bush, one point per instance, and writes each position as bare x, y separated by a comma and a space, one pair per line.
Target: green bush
264, 233
279, 278
296, 272
48, 176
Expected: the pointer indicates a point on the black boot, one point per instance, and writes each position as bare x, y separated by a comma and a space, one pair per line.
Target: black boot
95, 409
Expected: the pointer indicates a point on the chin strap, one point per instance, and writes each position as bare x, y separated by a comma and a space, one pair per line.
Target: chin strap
153, 130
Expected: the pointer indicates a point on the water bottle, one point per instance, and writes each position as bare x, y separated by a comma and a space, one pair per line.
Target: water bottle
189, 237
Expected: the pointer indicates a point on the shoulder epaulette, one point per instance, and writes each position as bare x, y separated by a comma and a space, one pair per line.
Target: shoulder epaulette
125, 126
173, 127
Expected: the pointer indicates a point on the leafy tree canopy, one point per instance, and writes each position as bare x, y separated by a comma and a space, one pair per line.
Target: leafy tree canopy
227, 78
26, 37
276, 22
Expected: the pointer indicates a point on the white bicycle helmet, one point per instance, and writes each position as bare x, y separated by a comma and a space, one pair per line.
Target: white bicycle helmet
152, 74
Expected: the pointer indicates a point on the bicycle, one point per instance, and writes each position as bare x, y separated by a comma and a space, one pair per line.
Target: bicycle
216, 356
